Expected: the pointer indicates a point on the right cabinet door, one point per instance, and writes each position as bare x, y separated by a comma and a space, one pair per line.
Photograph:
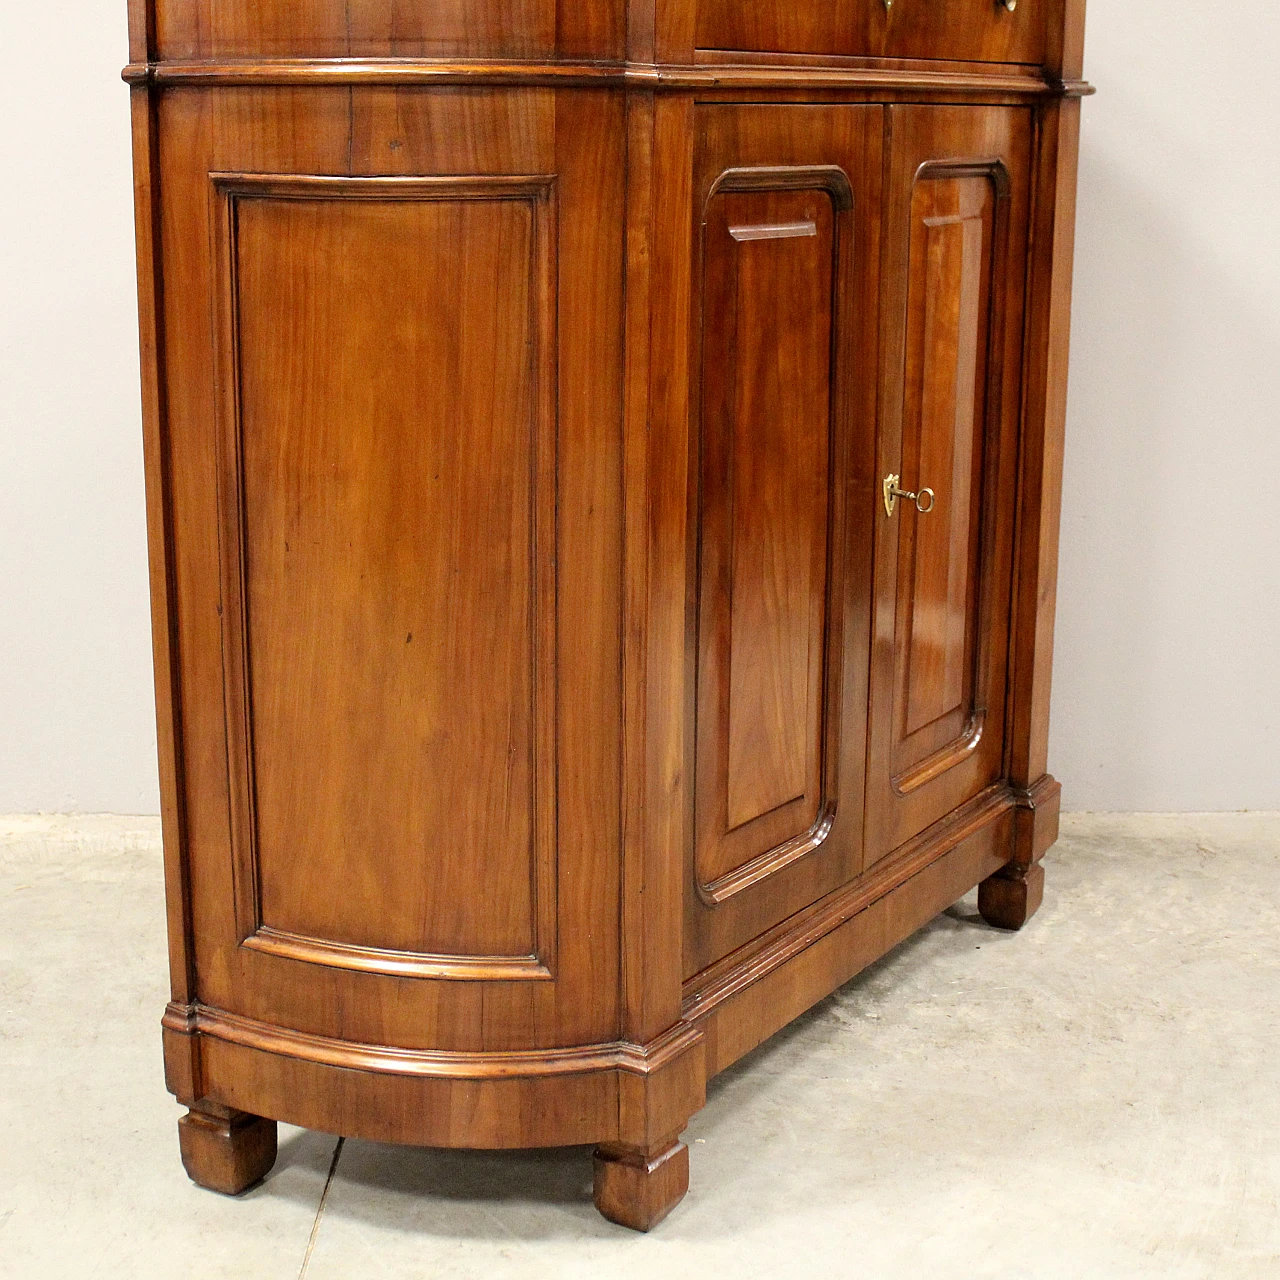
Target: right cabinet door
956, 218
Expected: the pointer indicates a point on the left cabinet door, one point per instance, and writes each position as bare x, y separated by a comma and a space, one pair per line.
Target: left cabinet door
394, 429
786, 200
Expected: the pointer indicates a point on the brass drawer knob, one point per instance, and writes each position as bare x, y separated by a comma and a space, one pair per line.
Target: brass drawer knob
924, 500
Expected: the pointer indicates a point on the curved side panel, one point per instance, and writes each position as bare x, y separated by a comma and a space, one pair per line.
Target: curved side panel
387, 372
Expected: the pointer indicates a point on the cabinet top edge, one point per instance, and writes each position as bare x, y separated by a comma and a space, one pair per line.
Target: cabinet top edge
977, 78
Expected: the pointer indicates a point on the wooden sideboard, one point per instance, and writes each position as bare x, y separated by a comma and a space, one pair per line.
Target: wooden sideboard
603, 473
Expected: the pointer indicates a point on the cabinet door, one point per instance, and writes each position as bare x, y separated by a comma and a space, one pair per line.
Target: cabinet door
955, 228
787, 202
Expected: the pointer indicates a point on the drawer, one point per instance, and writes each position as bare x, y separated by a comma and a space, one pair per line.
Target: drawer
966, 30
953, 30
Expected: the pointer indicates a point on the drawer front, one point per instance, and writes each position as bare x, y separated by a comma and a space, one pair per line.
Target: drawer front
396, 487
966, 30
956, 30
218, 29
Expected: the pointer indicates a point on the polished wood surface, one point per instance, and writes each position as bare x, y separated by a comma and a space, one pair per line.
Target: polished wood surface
548, 708
766, 496
781, 418
956, 231
637, 1187
226, 1150
356, 28
389, 540
440, 581
965, 30
948, 325
713, 69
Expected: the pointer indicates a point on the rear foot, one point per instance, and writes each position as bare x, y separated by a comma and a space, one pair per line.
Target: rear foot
1012, 896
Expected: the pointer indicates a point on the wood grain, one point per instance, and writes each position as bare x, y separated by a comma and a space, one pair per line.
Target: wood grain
660, 261
204, 29
1044, 416
389, 547
302, 132
637, 1187
765, 501
956, 227
949, 308
547, 709
226, 1150
968, 30
782, 568
711, 71
160, 537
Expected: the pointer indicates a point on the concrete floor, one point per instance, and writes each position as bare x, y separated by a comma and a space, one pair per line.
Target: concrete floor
1098, 1096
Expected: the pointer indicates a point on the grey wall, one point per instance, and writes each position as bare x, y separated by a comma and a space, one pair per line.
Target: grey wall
1168, 685
77, 728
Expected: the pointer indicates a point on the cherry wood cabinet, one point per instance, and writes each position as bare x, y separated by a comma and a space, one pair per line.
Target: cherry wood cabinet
603, 474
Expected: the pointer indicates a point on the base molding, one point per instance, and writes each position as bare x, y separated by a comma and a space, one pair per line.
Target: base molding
619, 1095
558, 1097
782, 944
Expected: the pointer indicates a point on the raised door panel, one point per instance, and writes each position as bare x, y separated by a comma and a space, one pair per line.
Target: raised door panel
787, 205
396, 501
948, 324
765, 529
389, 523
956, 228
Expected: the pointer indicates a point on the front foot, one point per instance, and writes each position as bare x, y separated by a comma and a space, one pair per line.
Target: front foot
226, 1150
637, 1187
1012, 896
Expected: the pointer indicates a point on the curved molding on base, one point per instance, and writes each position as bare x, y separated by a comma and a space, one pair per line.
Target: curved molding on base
442, 1064
523, 1098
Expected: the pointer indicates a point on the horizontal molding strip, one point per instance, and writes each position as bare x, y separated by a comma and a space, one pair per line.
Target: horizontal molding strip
292, 71
738, 971
250, 1033
402, 964
433, 71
